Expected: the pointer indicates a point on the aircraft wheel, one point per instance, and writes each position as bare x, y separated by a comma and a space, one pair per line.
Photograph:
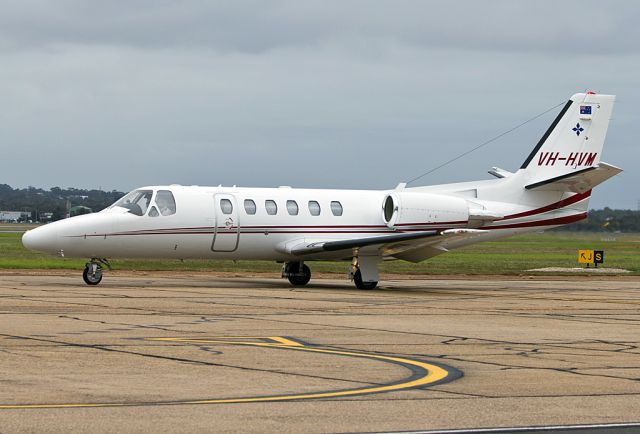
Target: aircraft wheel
357, 279
300, 279
92, 278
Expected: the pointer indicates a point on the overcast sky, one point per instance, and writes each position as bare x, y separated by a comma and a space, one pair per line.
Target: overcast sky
342, 94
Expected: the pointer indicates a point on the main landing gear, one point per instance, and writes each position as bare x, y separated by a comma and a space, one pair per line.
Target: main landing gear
297, 273
363, 271
92, 274
360, 284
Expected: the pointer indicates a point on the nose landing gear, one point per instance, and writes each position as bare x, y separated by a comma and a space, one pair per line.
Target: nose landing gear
92, 274
297, 273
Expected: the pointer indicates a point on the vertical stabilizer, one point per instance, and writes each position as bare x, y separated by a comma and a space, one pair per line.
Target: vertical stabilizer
573, 143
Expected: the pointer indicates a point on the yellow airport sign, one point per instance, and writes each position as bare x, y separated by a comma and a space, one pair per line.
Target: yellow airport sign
591, 256
585, 256
598, 256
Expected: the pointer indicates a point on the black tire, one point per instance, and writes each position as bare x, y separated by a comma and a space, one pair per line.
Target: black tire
357, 279
300, 280
91, 279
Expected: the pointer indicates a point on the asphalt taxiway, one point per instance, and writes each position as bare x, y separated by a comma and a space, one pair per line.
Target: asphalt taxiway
169, 352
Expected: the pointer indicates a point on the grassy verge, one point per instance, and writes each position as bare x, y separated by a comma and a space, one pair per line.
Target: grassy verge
510, 256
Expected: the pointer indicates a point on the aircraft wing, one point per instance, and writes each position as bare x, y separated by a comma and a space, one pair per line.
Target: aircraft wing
386, 245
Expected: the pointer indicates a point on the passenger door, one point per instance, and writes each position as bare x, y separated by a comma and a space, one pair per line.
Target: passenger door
226, 233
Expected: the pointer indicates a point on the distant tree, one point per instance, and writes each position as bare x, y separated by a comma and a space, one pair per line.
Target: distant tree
607, 220
36, 200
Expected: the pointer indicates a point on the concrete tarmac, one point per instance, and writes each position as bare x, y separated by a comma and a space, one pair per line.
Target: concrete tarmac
187, 352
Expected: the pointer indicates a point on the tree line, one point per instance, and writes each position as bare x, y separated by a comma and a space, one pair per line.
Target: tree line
35, 201
607, 220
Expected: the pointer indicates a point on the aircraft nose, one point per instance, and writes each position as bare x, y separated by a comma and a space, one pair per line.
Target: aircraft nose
42, 239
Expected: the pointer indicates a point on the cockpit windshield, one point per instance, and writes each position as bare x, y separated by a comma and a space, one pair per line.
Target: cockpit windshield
136, 202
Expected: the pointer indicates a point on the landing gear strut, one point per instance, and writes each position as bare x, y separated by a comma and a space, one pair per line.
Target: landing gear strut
297, 273
364, 270
92, 274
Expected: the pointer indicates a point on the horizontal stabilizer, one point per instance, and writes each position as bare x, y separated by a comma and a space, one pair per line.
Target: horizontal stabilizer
500, 173
579, 181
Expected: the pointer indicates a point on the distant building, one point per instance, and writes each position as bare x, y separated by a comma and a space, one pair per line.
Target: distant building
14, 216
46, 217
79, 210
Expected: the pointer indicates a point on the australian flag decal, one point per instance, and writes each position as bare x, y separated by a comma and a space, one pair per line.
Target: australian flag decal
585, 109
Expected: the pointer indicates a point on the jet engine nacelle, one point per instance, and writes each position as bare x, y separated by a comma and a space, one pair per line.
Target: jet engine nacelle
402, 208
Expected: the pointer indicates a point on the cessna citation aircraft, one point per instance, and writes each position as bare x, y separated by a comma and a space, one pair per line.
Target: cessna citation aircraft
296, 226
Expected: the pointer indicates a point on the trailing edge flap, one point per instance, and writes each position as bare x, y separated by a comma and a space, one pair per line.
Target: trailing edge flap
579, 181
386, 245
438, 246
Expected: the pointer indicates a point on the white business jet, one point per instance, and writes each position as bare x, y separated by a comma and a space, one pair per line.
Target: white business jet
295, 226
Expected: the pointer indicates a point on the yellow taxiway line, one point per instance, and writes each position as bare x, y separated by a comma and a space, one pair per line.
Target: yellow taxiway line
429, 374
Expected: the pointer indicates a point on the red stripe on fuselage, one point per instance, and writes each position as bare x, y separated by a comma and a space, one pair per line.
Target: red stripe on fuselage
556, 205
536, 223
549, 222
335, 229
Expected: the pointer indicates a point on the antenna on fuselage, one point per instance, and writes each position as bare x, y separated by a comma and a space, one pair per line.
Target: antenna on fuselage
486, 143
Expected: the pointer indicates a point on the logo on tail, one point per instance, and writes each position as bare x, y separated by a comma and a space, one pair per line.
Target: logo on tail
578, 129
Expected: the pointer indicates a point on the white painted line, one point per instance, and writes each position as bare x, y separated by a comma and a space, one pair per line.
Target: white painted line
520, 429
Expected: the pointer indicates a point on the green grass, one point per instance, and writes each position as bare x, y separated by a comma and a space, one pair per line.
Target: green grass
517, 254
509, 256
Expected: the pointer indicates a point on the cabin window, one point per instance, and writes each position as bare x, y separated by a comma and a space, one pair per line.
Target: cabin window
249, 206
153, 212
336, 208
137, 201
271, 207
226, 206
292, 207
166, 202
314, 207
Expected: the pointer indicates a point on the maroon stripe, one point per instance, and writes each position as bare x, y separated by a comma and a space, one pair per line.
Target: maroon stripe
439, 225
457, 222
315, 227
268, 227
560, 204
437, 228
228, 232
548, 222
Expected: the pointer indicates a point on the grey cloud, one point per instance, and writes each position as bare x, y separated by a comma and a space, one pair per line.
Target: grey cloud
310, 94
567, 28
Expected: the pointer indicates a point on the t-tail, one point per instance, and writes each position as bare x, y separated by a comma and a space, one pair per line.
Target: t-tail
567, 157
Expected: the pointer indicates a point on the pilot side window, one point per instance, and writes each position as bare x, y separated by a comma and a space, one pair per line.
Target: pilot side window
271, 207
166, 202
314, 207
249, 206
292, 207
226, 206
137, 202
336, 208
153, 212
